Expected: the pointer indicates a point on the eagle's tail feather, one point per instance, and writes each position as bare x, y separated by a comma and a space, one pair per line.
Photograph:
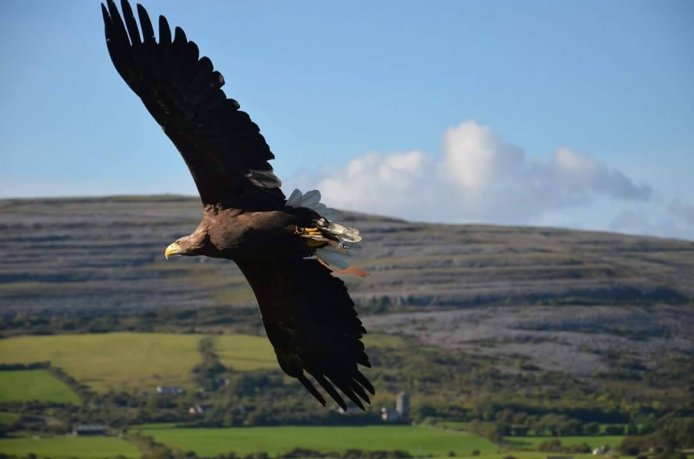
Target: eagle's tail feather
334, 241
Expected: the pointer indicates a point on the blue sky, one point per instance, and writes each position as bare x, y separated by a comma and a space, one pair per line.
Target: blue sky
572, 113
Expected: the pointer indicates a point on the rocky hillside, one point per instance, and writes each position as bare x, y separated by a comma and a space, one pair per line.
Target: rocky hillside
91, 254
513, 289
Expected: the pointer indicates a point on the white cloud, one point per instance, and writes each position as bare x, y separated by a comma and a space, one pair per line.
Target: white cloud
475, 158
385, 184
584, 173
478, 177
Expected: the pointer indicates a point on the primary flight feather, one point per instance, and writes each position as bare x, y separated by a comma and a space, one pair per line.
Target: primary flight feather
288, 249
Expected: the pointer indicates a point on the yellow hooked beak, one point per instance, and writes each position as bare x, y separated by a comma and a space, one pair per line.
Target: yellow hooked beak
172, 249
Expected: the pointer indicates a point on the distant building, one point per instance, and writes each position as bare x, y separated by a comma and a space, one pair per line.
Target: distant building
402, 404
170, 390
90, 429
199, 409
401, 414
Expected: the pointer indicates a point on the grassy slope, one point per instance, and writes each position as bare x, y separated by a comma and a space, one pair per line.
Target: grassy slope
111, 360
245, 352
417, 440
29, 385
69, 447
140, 360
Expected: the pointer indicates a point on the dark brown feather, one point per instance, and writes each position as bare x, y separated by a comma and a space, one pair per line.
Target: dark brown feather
183, 93
312, 324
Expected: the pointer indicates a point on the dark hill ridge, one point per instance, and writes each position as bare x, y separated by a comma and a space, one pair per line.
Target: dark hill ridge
560, 299
108, 253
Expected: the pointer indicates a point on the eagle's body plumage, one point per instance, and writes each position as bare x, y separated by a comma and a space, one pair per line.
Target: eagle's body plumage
286, 248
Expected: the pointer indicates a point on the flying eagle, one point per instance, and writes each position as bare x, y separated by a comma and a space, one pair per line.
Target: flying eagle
288, 249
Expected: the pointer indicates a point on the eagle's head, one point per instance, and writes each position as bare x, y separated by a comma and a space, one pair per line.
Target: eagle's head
193, 244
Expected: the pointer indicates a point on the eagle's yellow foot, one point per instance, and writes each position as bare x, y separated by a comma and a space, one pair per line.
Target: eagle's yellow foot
300, 230
314, 237
310, 232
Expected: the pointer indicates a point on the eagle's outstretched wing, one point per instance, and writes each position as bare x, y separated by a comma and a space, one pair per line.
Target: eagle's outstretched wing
223, 148
313, 326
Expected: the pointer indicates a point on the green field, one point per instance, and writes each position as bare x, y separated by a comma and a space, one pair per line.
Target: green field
419, 441
40, 385
111, 360
245, 352
531, 455
69, 447
593, 441
127, 360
